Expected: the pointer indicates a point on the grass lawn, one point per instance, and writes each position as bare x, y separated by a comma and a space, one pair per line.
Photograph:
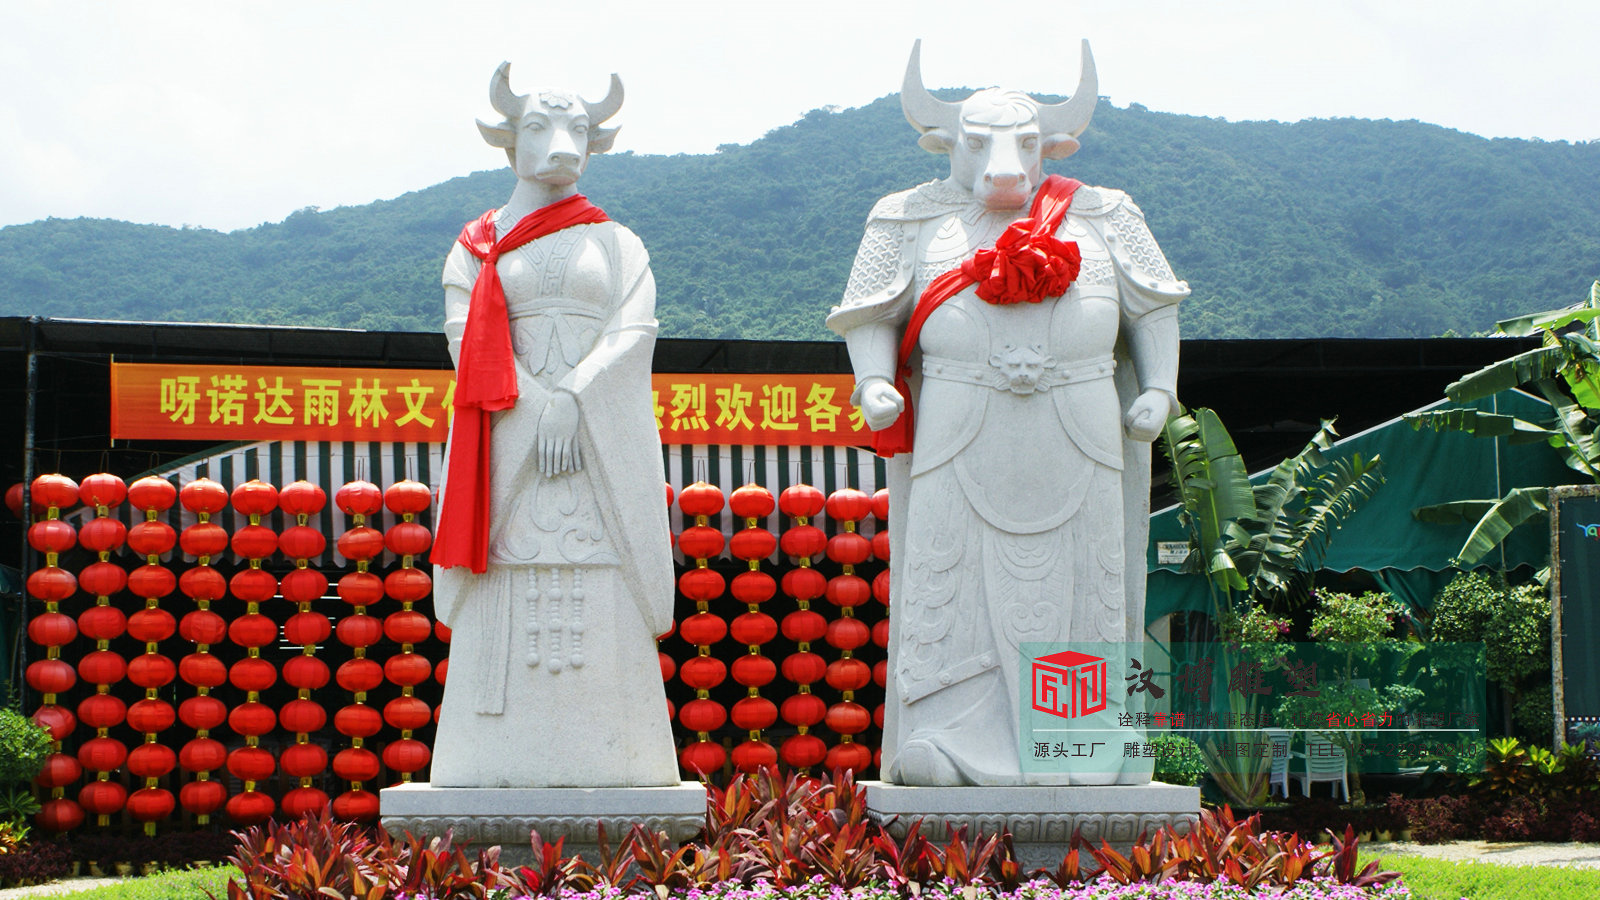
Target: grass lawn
185, 884
1438, 879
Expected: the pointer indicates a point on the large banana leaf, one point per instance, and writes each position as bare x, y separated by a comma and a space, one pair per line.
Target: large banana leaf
1478, 423
1517, 506
1524, 368
1213, 489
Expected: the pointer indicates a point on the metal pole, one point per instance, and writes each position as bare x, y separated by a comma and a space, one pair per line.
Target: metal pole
26, 558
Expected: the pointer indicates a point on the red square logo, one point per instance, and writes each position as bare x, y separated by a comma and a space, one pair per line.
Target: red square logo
1069, 684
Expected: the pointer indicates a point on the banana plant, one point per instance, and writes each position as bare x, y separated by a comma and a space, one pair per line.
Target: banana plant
1565, 371
1260, 543
1257, 544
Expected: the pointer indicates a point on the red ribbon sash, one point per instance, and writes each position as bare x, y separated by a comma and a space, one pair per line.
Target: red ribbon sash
486, 380
1027, 264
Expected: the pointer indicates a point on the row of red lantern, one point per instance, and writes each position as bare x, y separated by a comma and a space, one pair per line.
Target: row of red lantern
152, 538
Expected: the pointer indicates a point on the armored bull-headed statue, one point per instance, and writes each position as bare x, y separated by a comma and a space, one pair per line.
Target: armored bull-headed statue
1015, 345
553, 551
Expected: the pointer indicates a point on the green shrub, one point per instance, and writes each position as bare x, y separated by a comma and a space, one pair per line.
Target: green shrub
1462, 610
1178, 760
23, 747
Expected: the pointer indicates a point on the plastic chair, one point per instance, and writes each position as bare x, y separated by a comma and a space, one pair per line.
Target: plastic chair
1325, 761
1280, 761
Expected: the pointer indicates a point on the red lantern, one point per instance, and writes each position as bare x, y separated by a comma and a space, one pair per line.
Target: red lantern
252, 674
407, 497
751, 502
701, 585
202, 670
803, 751
203, 496
359, 675
252, 719
253, 630
355, 764
754, 671
880, 588
303, 716
803, 709
880, 506
60, 814
151, 804
103, 579
407, 714
359, 498
102, 533
202, 755
358, 720
754, 543
356, 806
202, 797
302, 586
848, 505
152, 760
804, 583
151, 625
305, 672
359, 631
302, 498
151, 538
250, 808
103, 798
58, 720
203, 539
407, 669
303, 760
202, 583
52, 536
804, 668
408, 585
803, 541
251, 764
700, 499
55, 491
59, 770
203, 713
804, 625
303, 801
755, 756
152, 493
407, 627
360, 588
703, 628
50, 676
752, 628
150, 716
102, 667
407, 539
800, 501
848, 718
754, 713
406, 755
848, 591
102, 754
102, 710
307, 628
702, 672
849, 757
702, 757
702, 715
849, 548
753, 587
152, 581
255, 498
302, 542
848, 634
14, 500
255, 542
360, 543
701, 541
253, 585
51, 584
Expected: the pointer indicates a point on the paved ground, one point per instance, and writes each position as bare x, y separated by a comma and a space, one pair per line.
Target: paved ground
1585, 856
56, 888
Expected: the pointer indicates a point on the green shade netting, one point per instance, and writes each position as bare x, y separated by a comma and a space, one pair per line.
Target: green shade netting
1410, 559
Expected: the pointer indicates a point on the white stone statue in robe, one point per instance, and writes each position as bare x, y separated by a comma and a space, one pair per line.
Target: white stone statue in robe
1021, 510
553, 678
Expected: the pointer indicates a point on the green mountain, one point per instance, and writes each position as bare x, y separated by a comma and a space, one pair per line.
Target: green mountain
1325, 228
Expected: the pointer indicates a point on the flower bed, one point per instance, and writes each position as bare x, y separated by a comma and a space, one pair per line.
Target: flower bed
804, 837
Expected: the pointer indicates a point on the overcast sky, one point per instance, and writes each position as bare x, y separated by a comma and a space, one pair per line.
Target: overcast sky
228, 114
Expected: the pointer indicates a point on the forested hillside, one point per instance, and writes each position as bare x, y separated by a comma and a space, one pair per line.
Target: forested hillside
1322, 228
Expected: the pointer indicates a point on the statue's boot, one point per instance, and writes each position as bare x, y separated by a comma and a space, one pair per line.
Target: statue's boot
923, 764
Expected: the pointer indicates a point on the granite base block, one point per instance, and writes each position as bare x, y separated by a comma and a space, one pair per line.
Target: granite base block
1041, 819
506, 816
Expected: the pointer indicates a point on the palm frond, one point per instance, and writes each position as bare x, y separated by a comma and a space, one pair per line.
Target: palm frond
1517, 506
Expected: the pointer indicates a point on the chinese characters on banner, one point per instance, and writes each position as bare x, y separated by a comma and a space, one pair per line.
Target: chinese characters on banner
235, 403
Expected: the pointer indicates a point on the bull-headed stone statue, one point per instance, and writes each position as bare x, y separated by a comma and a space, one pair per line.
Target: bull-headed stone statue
555, 568
1015, 346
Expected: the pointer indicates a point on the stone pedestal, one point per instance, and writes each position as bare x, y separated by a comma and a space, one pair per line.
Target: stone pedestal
504, 816
1041, 819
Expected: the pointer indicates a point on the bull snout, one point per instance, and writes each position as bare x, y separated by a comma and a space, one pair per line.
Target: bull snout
1004, 181
563, 159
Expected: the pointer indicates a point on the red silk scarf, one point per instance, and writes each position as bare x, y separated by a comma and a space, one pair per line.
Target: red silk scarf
1027, 264
486, 380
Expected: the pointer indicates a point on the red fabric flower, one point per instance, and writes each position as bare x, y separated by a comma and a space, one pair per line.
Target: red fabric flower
1028, 263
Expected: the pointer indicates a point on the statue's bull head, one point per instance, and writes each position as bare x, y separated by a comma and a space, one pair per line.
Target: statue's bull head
549, 140
997, 140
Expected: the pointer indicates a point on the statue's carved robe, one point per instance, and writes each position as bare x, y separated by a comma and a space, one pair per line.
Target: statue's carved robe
553, 670
1022, 491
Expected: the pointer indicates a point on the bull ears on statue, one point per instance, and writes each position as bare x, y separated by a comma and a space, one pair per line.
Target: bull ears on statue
1060, 124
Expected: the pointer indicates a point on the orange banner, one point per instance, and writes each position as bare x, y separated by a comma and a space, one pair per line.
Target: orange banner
284, 403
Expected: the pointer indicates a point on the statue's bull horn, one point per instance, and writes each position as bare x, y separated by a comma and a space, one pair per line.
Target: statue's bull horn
1070, 116
505, 101
606, 108
924, 111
